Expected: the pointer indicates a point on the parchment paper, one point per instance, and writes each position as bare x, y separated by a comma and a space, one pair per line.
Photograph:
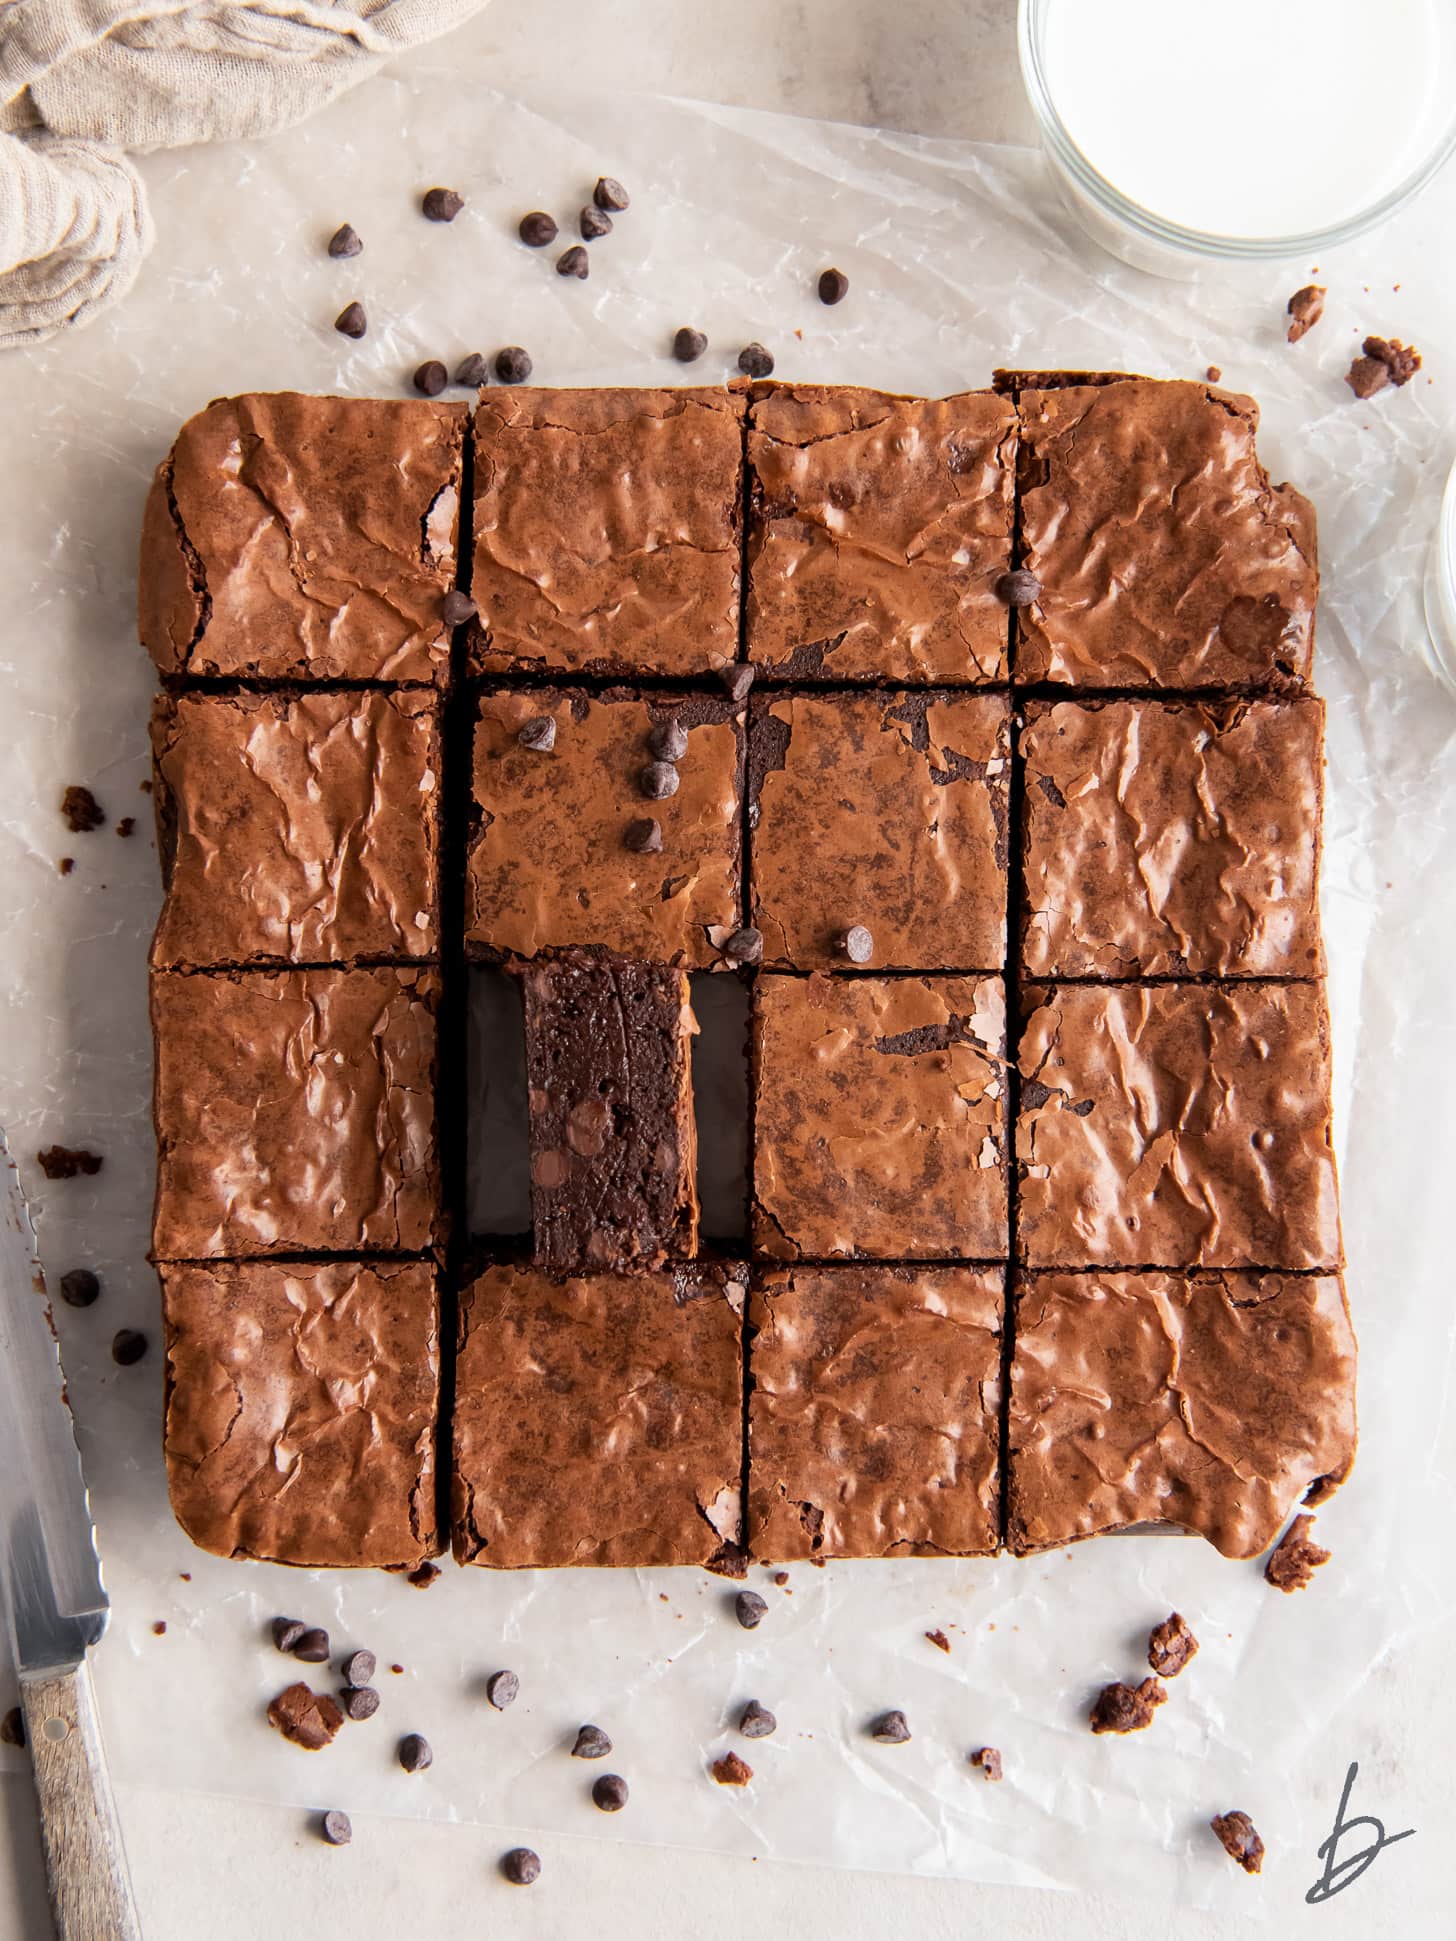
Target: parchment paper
959, 259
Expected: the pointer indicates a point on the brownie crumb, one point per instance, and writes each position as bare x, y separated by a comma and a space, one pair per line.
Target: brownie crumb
305, 1718
521, 1866
67, 1162
336, 1829
12, 1727
80, 1287
159, 1629
890, 1729
1399, 359
1170, 1645
730, 1770
939, 1640
781, 1577
1305, 307
1123, 1708
423, 1576
126, 825
81, 810
1366, 376
1239, 1840
65, 865
988, 1760
1294, 1559
1214, 374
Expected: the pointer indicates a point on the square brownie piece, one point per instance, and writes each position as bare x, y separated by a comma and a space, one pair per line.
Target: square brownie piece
879, 1118
1176, 1125
1210, 1401
300, 1409
599, 1420
878, 529
1163, 839
885, 812
607, 531
610, 1093
297, 827
295, 1112
873, 1424
1166, 558
569, 848
296, 538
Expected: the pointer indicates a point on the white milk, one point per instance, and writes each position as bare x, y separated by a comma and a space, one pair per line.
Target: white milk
1253, 118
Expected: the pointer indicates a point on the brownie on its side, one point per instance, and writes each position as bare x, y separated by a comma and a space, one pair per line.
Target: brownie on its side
1166, 558
565, 851
613, 1142
300, 1413
599, 1420
607, 531
878, 528
886, 811
1164, 839
1176, 1125
305, 539
297, 828
873, 1412
880, 1117
295, 1112
1212, 1401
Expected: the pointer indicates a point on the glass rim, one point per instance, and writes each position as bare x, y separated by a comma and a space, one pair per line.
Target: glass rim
1161, 229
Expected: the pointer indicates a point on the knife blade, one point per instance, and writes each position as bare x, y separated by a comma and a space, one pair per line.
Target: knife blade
55, 1601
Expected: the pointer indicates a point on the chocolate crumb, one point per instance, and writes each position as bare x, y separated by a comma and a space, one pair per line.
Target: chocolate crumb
1239, 1840
1170, 1646
594, 222
688, 345
1214, 374
749, 1609
12, 1727
988, 1759
430, 378
781, 1577
658, 781
755, 361
397, 1670
537, 229
312, 1646
413, 1752
1018, 588
1121, 1708
574, 262
890, 1729
521, 1866
352, 321
159, 1629
422, 1576
833, 286
287, 1632
80, 1287
730, 1770
127, 1347
512, 365
81, 809
336, 1829
609, 194
644, 836
1294, 1559
939, 1640
441, 205
858, 945
538, 734
502, 1688
305, 1718
591, 1743
472, 371
67, 1162
1366, 376
756, 1721
65, 865
456, 608
358, 1668
126, 825
345, 241
610, 1792
1305, 308
1399, 359
359, 1702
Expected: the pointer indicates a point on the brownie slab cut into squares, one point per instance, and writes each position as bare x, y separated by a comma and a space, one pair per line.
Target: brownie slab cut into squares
598, 1420
607, 531
886, 811
1176, 1125
300, 1413
874, 1412
295, 1112
613, 1141
304, 539
297, 828
1212, 1401
568, 847
878, 529
1166, 558
1163, 839
879, 1117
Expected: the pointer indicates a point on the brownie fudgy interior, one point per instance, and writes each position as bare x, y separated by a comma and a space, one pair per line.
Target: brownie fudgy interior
974, 738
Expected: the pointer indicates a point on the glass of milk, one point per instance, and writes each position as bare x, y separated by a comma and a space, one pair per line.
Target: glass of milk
1250, 129
1441, 589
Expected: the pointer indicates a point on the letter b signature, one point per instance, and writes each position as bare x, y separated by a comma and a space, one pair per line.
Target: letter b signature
1340, 1871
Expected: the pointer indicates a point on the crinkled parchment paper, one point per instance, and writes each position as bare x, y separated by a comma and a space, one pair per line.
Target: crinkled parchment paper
959, 259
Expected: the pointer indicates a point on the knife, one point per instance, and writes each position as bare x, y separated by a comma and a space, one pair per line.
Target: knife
56, 1606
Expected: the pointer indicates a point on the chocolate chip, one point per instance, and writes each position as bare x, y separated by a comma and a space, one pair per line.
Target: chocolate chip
431, 378
67, 1162
512, 365
643, 837
12, 1727
738, 679
312, 1647
457, 607
442, 205
755, 361
127, 1347
80, 1287
1018, 588
502, 1688
414, 1753
360, 1702
989, 1761
537, 229
351, 321
668, 739
833, 286
658, 781
749, 1608
745, 946
358, 1668
757, 1722
81, 810
574, 262
287, 1632
856, 943
890, 1729
610, 1792
539, 733
336, 1829
345, 241
521, 1866
591, 1743
730, 1770
594, 222
473, 371
688, 345
609, 194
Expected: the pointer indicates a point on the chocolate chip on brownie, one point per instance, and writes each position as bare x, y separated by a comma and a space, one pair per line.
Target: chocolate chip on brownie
1294, 1559
1305, 308
858, 945
658, 781
456, 608
1125, 1708
1170, 1645
1240, 1840
744, 946
738, 679
81, 809
644, 836
668, 739
538, 734
1018, 588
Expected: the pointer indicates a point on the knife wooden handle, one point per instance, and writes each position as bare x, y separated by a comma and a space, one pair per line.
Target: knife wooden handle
86, 1867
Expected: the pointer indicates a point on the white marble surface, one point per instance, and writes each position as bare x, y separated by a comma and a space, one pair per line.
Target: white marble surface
219, 1869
